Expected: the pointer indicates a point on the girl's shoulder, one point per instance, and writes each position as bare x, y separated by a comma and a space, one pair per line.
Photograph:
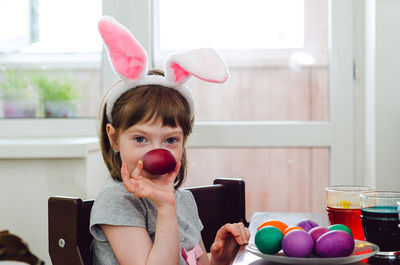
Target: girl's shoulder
112, 189
183, 194
116, 206
115, 194
115, 201
185, 197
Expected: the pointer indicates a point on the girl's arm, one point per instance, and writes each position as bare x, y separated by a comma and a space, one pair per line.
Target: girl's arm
132, 245
204, 259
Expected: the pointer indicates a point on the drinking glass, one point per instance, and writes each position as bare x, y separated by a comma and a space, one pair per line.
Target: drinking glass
398, 208
344, 207
380, 220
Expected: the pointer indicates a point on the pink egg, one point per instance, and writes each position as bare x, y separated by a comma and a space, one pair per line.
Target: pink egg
318, 231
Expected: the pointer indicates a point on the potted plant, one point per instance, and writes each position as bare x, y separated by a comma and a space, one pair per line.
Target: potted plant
19, 99
59, 97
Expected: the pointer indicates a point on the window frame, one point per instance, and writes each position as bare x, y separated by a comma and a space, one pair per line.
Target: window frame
257, 58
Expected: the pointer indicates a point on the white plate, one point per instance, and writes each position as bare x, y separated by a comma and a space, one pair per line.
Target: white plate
362, 250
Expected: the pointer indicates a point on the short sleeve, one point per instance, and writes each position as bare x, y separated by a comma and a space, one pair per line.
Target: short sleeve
189, 198
115, 206
189, 222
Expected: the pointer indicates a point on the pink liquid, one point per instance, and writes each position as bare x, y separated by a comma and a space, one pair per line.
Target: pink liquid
348, 217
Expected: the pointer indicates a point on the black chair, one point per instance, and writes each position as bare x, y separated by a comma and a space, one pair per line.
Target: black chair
70, 239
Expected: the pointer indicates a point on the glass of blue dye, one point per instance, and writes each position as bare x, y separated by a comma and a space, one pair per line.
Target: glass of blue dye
398, 208
380, 220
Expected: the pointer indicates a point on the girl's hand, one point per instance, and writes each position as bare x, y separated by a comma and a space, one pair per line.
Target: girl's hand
160, 191
229, 237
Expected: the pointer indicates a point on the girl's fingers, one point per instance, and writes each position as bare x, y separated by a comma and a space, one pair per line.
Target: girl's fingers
124, 172
172, 175
237, 231
242, 239
247, 234
137, 172
216, 246
243, 233
125, 176
238, 234
130, 180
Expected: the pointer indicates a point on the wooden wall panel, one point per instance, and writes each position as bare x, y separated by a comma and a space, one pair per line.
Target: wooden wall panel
319, 95
264, 94
277, 179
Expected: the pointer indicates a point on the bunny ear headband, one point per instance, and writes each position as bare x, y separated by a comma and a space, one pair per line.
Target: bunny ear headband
129, 61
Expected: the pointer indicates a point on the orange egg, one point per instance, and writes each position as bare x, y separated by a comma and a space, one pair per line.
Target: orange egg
290, 228
275, 223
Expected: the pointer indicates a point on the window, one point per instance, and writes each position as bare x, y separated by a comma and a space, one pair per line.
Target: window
50, 26
50, 58
255, 33
276, 53
254, 24
21, 29
277, 121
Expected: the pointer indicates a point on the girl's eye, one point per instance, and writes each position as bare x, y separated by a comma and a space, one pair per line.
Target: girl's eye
171, 140
139, 139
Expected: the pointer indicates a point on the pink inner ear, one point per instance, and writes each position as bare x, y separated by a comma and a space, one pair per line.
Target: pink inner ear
179, 72
127, 55
130, 67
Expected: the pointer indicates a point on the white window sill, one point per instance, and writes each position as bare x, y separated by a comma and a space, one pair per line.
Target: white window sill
44, 148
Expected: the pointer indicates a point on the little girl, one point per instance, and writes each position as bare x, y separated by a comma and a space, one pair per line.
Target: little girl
140, 218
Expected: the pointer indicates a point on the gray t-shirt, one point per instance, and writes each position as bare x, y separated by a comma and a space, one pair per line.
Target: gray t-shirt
116, 206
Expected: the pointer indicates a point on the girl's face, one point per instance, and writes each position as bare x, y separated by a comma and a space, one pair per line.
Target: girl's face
138, 139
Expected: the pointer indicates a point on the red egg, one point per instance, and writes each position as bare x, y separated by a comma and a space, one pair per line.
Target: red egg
158, 161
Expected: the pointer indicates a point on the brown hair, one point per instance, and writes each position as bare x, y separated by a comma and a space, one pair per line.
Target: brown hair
149, 103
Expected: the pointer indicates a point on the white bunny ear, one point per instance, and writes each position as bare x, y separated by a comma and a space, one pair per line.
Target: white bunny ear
127, 56
204, 64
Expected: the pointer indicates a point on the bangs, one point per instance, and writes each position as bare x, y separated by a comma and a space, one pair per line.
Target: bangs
152, 104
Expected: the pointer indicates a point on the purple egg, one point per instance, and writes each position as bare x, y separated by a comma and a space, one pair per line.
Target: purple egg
297, 243
334, 244
307, 224
318, 231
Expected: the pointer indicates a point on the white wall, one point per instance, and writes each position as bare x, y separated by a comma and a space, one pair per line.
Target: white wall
27, 183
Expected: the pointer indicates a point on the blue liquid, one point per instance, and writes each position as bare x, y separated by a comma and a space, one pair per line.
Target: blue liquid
381, 226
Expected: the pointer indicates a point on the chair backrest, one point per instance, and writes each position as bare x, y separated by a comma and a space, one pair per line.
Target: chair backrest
70, 239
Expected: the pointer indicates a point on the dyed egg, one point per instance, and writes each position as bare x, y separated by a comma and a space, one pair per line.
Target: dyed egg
333, 244
158, 162
340, 227
318, 231
290, 228
307, 225
275, 223
268, 240
297, 243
